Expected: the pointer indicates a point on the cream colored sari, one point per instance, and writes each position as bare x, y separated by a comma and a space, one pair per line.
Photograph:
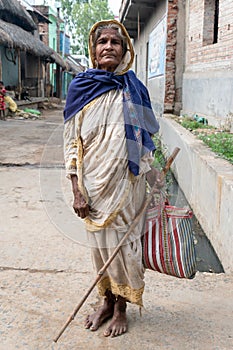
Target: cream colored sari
95, 150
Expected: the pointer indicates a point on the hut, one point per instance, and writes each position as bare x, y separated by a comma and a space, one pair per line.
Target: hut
24, 58
11, 11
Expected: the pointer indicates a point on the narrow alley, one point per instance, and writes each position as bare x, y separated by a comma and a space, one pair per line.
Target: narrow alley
45, 264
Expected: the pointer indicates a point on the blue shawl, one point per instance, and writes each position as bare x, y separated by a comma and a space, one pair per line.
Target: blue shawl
140, 121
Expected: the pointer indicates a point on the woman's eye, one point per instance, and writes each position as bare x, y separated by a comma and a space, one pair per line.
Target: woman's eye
116, 42
102, 41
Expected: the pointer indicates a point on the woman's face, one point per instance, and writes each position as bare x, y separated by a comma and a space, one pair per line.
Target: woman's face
109, 50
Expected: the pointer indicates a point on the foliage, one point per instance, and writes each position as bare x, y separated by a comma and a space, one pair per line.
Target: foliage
81, 15
221, 143
160, 161
193, 124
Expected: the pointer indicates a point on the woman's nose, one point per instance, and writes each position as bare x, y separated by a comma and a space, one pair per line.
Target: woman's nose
108, 45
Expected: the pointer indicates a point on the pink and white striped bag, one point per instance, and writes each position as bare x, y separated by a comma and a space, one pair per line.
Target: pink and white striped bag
168, 243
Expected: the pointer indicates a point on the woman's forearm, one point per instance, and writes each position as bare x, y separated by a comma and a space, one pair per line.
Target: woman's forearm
80, 205
74, 182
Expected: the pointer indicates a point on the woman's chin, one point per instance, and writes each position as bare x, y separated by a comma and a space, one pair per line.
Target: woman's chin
108, 66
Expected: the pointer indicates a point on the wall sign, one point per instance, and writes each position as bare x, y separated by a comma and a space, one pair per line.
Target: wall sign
157, 50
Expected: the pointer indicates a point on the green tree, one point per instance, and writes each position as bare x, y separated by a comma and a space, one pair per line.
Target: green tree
81, 15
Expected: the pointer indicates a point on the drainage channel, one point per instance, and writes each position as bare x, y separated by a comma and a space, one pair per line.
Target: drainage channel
207, 259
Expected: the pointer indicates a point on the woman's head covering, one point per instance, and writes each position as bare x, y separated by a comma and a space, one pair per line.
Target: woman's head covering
127, 59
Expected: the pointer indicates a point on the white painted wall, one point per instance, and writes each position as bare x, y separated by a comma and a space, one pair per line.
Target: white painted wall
207, 182
155, 85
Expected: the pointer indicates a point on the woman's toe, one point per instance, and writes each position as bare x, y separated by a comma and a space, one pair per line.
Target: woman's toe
94, 327
87, 323
107, 332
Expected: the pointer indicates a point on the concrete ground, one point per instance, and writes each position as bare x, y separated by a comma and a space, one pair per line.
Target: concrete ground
45, 266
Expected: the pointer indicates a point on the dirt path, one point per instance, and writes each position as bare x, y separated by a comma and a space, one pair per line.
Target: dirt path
44, 274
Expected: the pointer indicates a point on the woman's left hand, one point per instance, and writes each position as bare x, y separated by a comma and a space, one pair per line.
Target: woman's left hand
155, 177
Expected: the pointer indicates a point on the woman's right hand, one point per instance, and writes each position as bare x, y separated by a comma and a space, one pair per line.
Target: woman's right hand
80, 205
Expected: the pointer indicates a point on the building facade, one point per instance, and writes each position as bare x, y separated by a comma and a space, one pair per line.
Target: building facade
23, 57
157, 29
192, 74
50, 35
53, 34
208, 75
184, 54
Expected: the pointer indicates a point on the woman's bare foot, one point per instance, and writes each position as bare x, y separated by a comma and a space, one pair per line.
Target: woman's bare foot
95, 320
119, 323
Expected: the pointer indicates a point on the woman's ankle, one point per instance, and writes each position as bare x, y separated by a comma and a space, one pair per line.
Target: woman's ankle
120, 304
109, 297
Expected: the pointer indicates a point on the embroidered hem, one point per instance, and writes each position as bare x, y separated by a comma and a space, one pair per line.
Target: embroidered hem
133, 296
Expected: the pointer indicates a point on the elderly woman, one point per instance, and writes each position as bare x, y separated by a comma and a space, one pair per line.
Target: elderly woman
108, 151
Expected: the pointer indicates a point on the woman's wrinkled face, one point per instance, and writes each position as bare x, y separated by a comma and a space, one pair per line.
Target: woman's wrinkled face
109, 50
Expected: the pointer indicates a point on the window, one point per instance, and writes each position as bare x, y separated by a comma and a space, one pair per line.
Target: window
216, 15
211, 17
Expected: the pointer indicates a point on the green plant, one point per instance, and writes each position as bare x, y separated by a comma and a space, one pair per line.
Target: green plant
160, 161
191, 124
220, 142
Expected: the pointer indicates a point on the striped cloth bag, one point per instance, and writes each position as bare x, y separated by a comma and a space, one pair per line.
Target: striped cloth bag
168, 243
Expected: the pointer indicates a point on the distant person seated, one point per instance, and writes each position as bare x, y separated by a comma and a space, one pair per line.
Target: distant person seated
12, 106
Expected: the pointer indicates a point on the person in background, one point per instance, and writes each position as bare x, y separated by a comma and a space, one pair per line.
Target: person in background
108, 150
2, 101
12, 105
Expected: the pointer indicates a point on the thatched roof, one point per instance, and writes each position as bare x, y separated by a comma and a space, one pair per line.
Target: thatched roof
34, 12
12, 11
15, 25
55, 57
15, 37
5, 38
73, 66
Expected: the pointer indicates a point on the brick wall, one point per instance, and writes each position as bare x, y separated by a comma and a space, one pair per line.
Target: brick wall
201, 51
44, 33
44, 27
170, 88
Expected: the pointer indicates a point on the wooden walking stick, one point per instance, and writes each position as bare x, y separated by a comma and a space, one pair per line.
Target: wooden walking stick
108, 262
